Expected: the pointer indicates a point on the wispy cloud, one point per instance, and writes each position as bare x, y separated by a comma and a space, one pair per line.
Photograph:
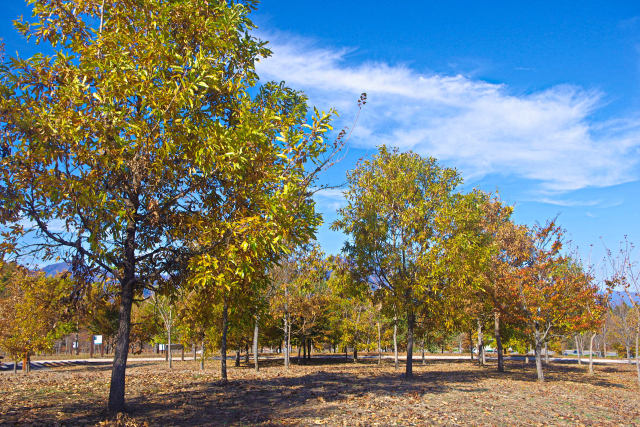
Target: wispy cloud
569, 203
330, 198
549, 137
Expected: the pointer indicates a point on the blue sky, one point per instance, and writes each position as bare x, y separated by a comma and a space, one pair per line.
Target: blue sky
538, 100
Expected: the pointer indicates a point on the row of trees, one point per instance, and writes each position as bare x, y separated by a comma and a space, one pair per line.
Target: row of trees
147, 153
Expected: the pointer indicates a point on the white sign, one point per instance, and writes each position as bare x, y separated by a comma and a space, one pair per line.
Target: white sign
161, 347
97, 339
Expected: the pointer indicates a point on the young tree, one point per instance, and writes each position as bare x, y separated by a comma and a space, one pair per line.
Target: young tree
164, 306
625, 274
142, 134
393, 203
553, 291
34, 311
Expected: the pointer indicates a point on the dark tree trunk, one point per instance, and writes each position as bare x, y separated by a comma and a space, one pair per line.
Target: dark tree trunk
303, 343
237, 357
355, 354
223, 344
498, 341
309, 345
116, 390
410, 325
246, 354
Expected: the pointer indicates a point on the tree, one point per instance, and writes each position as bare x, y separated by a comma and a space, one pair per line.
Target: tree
164, 306
143, 135
34, 311
393, 203
624, 273
351, 304
553, 291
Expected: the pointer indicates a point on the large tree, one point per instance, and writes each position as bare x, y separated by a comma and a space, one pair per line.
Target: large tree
131, 149
395, 203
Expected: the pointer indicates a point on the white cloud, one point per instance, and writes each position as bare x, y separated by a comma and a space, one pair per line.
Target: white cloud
549, 137
330, 198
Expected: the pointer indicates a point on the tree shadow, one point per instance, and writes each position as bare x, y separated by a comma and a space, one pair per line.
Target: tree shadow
316, 394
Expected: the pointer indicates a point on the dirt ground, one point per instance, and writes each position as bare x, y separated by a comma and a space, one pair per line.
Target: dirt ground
326, 392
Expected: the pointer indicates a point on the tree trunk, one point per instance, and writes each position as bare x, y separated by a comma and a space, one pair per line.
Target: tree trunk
539, 360
182, 354
90, 346
116, 389
593, 336
424, 362
237, 357
304, 349
355, 353
496, 318
286, 341
309, 346
223, 344
78, 342
411, 320
471, 344
25, 364
395, 342
638, 355
255, 344
193, 347
169, 344
201, 355
246, 354
287, 328
379, 346
481, 359
15, 366
546, 353
579, 349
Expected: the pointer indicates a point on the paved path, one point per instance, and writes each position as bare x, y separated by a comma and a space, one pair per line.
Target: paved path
46, 364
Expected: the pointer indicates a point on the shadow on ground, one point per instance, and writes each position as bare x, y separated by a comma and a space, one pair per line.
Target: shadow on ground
313, 394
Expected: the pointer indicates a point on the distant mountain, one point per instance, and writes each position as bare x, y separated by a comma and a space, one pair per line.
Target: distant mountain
618, 297
53, 269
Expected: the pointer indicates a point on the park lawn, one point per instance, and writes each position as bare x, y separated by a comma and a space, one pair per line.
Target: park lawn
326, 392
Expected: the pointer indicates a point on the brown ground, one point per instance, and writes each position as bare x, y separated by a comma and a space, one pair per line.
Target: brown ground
326, 392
